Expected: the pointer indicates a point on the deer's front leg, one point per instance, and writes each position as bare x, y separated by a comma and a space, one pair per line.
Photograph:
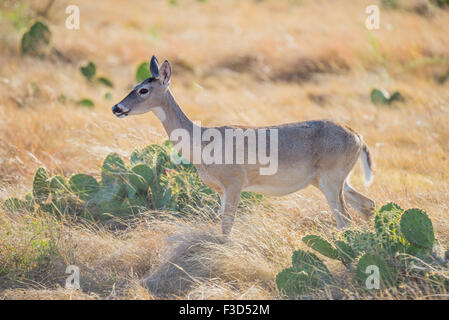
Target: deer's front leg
230, 201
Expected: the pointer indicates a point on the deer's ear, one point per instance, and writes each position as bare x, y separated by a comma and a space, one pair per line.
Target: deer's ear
165, 73
154, 67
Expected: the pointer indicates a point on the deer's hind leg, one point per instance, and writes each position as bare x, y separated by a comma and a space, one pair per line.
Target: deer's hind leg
332, 188
358, 201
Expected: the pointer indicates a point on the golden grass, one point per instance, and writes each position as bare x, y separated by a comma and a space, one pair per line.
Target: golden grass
239, 62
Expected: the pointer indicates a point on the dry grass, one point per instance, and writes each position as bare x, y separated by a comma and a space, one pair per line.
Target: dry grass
249, 62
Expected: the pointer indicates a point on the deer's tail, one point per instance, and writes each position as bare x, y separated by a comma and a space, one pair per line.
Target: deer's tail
365, 160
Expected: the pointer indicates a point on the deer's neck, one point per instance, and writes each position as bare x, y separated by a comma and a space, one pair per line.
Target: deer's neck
173, 118
171, 115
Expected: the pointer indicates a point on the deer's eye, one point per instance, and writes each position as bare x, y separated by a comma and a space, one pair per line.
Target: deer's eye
143, 91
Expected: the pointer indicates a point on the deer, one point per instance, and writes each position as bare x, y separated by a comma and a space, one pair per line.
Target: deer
319, 153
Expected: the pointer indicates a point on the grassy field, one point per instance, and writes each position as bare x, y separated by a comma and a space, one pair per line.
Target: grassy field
234, 62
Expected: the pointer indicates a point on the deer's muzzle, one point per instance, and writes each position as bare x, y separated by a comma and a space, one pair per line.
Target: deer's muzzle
119, 111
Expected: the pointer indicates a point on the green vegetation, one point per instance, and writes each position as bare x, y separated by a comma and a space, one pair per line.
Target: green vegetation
86, 102
399, 4
90, 70
383, 97
143, 72
440, 3
105, 81
151, 181
40, 253
18, 15
307, 271
36, 39
401, 247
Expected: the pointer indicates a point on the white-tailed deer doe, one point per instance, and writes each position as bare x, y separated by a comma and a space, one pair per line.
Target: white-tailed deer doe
320, 153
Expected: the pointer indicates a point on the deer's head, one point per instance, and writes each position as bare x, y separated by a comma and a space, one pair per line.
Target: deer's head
147, 95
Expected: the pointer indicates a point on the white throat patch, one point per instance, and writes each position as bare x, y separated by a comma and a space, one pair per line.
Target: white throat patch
160, 113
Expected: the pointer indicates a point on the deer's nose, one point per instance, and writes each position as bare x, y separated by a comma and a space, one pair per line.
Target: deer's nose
116, 109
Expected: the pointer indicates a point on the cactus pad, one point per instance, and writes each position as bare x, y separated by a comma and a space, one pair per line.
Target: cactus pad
386, 276
379, 97
113, 169
365, 242
41, 185
417, 228
153, 155
391, 207
112, 207
35, 39
107, 193
83, 185
89, 70
14, 204
321, 245
143, 71
313, 265
137, 204
57, 186
345, 251
387, 225
293, 282
141, 178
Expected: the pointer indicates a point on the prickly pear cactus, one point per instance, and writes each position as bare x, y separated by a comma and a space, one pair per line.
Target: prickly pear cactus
371, 265
379, 97
110, 208
59, 207
113, 170
383, 97
391, 207
108, 201
307, 272
293, 282
108, 83
58, 186
36, 39
14, 204
365, 242
161, 197
345, 252
143, 71
360, 242
153, 155
153, 182
387, 226
178, 161
417, 228
141, 177
107, 193
321, 245
83, 185
89, 70
402, 247
113, 163
41, 185
396, 96
135, 205
310, 263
